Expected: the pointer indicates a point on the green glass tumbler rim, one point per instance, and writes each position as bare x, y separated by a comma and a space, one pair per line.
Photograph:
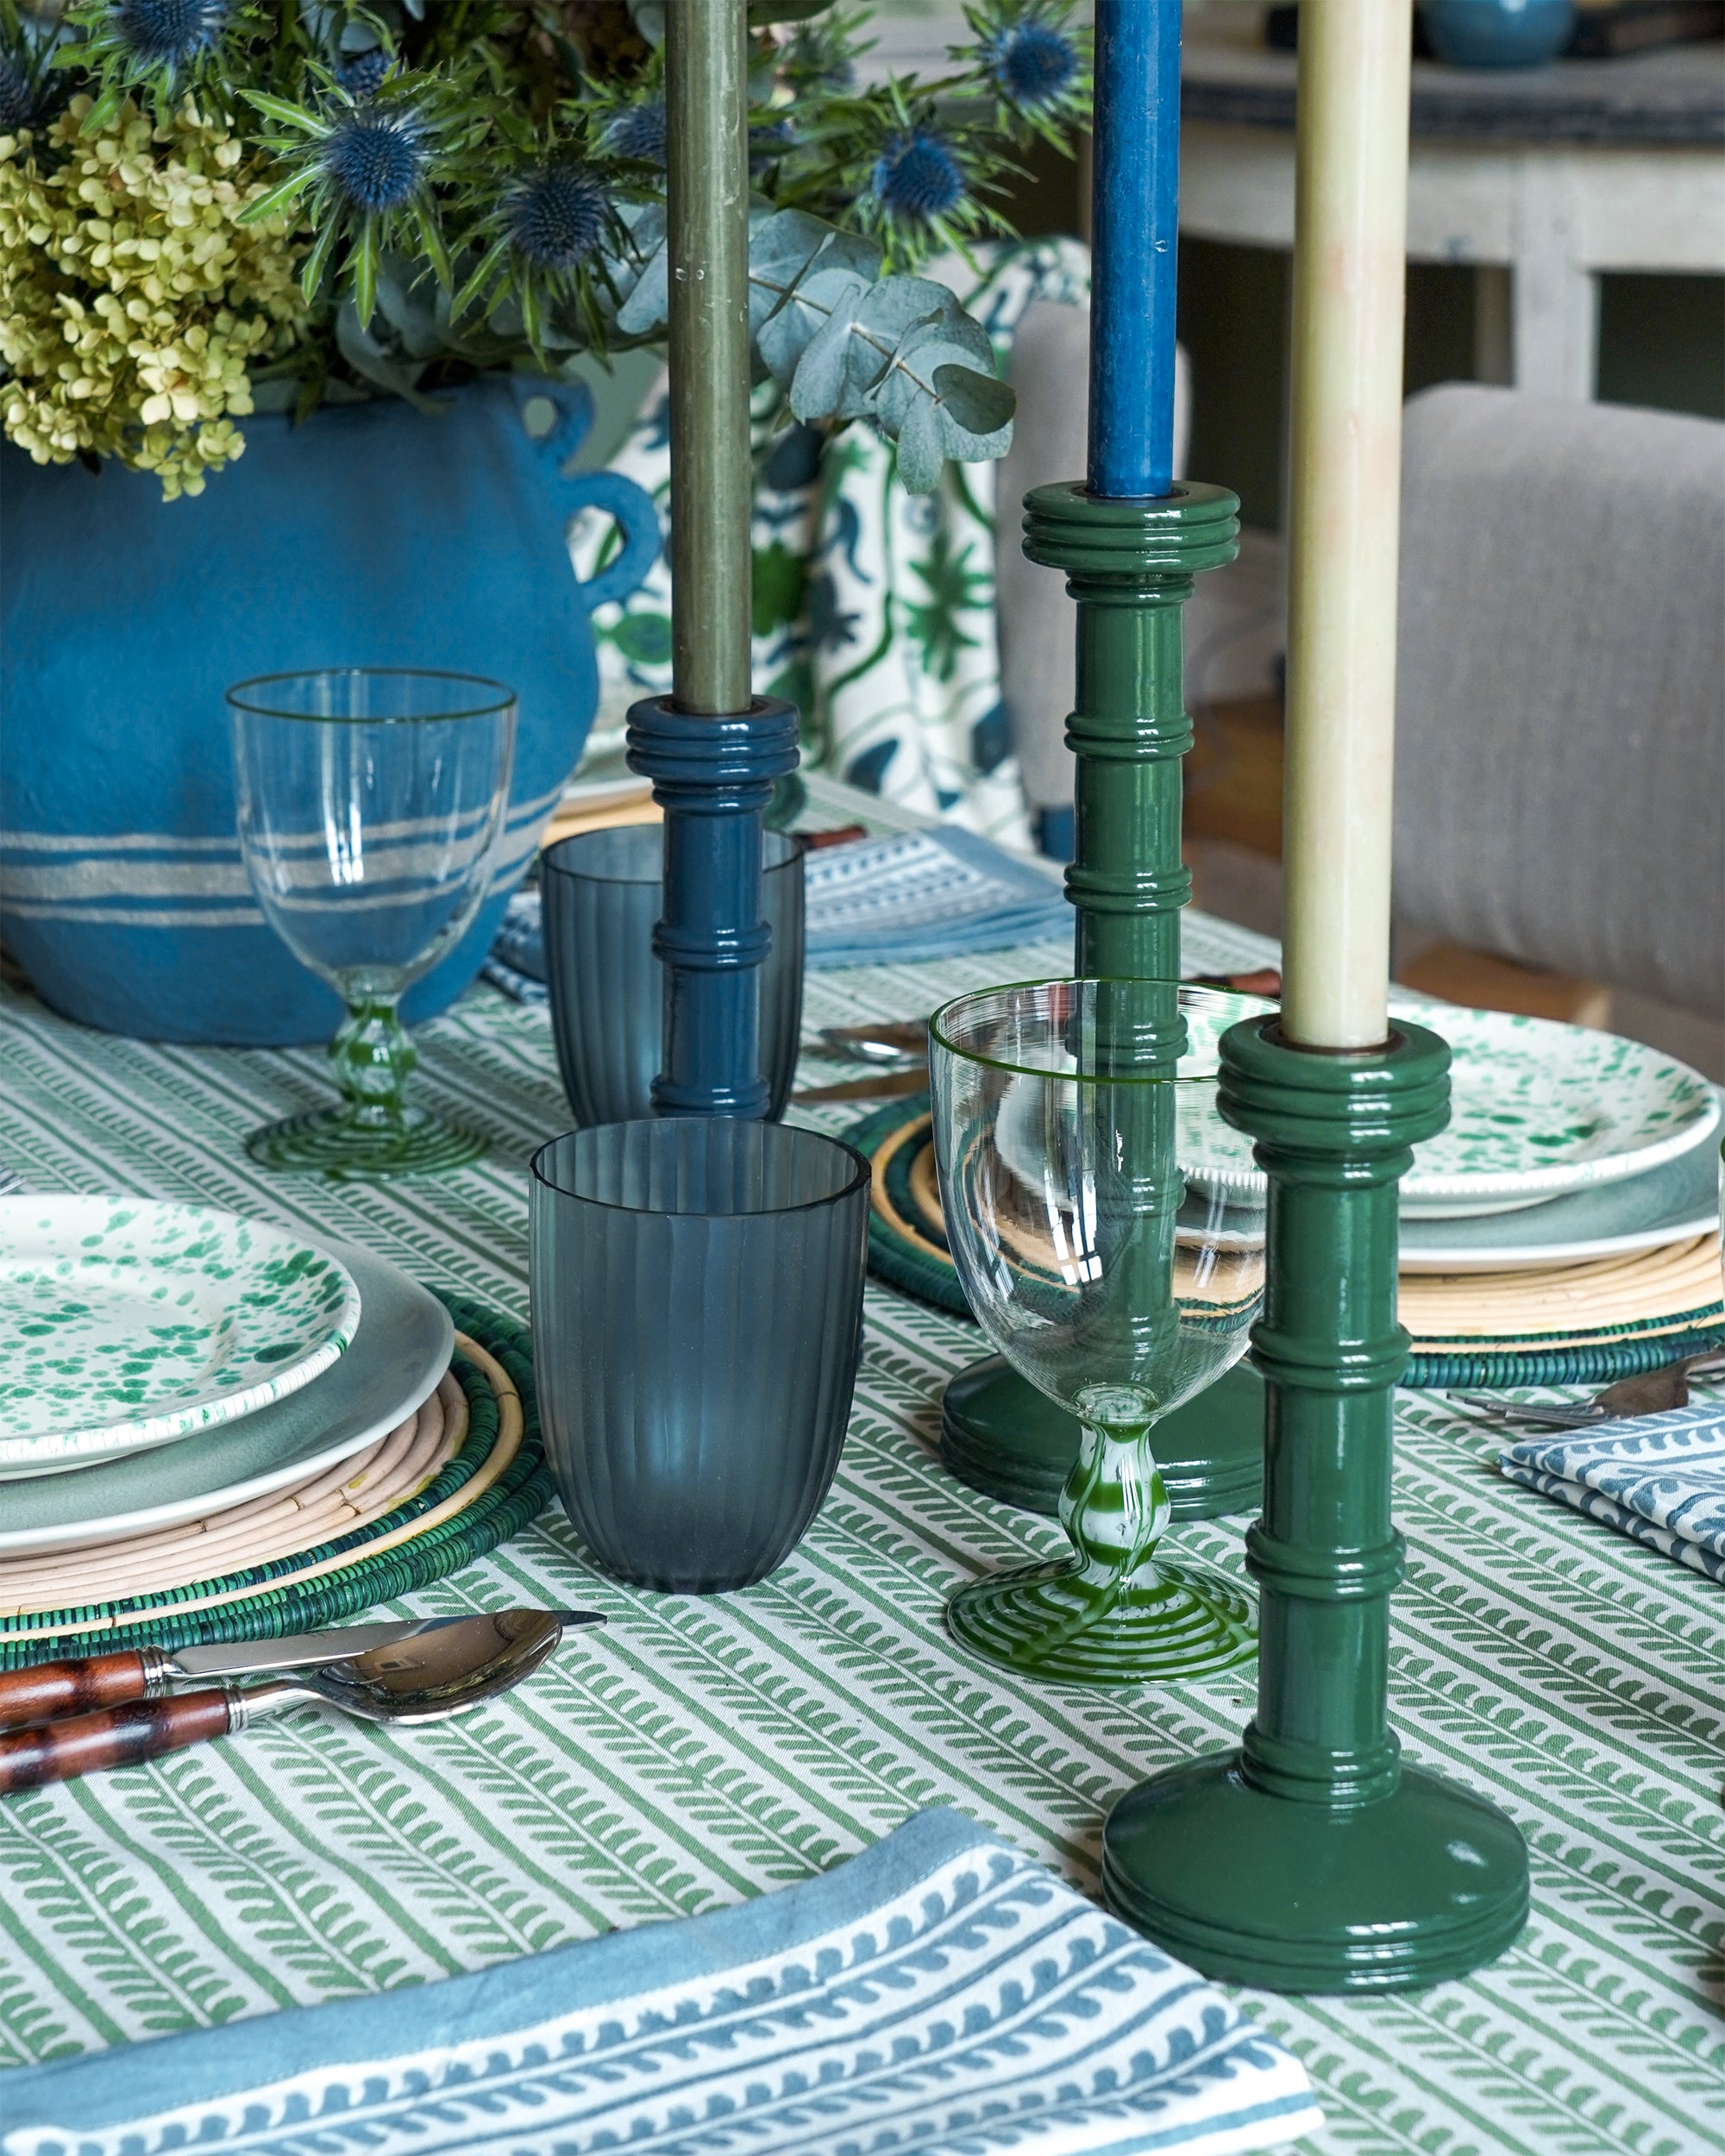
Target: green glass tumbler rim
493, 700
861, 1174
1242, 1006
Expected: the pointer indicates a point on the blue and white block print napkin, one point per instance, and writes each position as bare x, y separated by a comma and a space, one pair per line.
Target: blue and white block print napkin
1660, 1478
931, 893
940, 1993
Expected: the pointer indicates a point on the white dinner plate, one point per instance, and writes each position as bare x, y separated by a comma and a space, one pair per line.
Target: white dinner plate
400, 1350
126, 1322
1538, 1111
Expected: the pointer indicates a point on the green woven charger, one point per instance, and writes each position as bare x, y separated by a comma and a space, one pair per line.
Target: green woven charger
519, 1493
912, 1257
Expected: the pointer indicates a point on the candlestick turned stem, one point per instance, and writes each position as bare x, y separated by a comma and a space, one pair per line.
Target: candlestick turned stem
1130, 566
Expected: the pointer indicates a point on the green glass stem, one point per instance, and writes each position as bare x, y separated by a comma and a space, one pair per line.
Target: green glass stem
1113, 1612
372, 1134
373, 1057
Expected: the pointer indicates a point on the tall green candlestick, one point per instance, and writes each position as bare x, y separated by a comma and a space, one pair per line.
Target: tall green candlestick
1130, 566
1312, 1858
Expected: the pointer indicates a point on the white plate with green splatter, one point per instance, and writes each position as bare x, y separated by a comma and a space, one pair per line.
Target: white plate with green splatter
1537, 1110
125, 1323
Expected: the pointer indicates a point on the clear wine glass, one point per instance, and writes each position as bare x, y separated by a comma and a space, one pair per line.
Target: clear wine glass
370, 802
1117, 1284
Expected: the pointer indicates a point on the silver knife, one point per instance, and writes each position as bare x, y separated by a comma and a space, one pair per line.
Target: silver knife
47, 1689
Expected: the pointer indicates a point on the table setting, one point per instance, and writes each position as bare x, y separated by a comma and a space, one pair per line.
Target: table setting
526, 1623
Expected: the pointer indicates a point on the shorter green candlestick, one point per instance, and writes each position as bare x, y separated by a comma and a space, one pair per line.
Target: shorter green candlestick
1310, 1859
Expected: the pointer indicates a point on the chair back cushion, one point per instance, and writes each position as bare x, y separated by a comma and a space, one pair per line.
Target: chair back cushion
1560, 757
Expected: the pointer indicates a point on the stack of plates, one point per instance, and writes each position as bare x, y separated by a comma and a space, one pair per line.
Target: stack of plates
185, 1394
1567, 1222
1565, 1147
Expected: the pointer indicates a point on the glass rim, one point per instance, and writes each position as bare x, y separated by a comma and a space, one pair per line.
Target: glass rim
860, 1176
499, 700
1263, 1006
549, 865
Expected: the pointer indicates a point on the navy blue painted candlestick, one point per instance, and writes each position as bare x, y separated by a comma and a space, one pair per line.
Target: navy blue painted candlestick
713, 778
712, 753
1135, 233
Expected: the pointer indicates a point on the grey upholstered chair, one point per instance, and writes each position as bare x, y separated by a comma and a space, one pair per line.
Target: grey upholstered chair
1050, 366
1560, 750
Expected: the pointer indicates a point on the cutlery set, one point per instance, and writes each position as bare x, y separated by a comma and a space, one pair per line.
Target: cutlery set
1649, 1393
66, 1719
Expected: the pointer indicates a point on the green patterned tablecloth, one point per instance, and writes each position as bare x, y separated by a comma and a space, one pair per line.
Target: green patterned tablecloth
698, 1752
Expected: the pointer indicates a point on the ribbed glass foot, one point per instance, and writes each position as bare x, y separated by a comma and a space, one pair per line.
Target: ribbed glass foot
349, 1145
1055, 1620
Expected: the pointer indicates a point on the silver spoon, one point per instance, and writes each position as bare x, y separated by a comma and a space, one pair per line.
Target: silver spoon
413, 1681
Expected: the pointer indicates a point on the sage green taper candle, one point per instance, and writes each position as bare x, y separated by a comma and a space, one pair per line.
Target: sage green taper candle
707, 145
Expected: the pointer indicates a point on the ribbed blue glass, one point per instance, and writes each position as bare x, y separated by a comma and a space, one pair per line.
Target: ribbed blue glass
697, 1291
601, 894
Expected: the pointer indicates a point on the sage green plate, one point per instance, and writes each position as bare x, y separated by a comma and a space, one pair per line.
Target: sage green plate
126, 1322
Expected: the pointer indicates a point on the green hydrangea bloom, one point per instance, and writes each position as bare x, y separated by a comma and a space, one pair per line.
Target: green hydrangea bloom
132, 302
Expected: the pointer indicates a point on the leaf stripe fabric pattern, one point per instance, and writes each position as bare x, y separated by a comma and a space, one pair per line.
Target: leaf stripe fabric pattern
938, 1987
697, 1753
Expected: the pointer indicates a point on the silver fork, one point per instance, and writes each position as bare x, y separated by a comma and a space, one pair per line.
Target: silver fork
1649, 1393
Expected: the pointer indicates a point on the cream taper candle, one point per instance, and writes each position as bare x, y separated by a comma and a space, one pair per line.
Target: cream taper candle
1351, 221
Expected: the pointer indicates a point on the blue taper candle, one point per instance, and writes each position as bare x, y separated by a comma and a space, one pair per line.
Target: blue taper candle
1134, 232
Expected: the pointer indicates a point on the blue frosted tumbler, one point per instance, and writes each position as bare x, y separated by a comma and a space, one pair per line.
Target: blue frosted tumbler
601, 894
697, 1318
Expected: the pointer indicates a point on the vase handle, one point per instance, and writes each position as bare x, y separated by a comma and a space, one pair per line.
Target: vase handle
632, 505
636, 519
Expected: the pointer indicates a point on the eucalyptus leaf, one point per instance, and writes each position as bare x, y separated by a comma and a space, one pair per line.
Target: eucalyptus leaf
980, 404
921, 451
368, 355
820, 388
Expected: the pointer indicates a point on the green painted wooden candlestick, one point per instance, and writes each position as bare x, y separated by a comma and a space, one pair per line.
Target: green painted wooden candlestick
1130, 566
1311, 1858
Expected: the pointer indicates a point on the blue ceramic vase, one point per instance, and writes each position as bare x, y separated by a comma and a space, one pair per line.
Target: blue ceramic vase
1498, 33
373, 534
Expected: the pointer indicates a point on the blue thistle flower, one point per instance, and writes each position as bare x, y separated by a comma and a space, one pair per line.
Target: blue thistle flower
560, 216
638, 131
17, 101
362, 74
917, 176
1032, 63
376, 158
769, 140
167, 32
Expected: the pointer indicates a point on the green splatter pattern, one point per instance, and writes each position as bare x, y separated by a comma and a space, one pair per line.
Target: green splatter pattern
124, 1324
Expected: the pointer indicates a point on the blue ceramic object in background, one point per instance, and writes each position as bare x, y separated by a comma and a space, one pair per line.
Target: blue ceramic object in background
1498, 33
373, 534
